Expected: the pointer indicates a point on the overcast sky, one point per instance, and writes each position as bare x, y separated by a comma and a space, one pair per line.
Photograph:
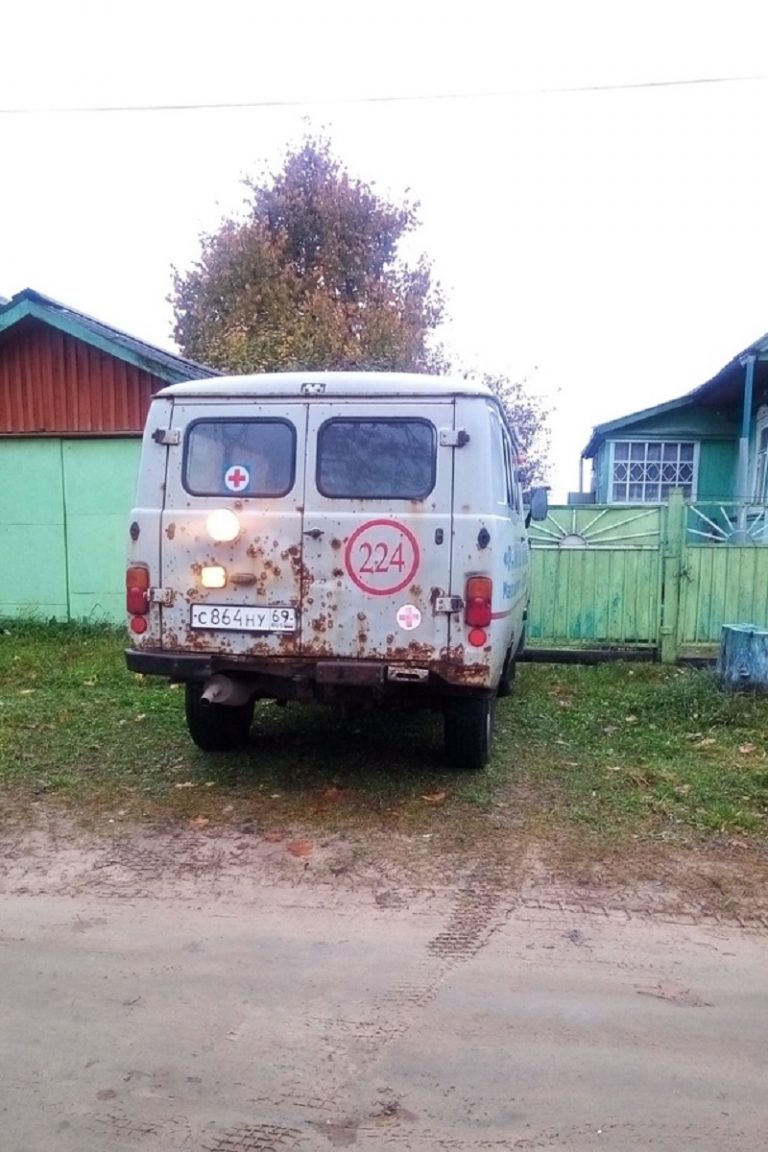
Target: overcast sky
608, 245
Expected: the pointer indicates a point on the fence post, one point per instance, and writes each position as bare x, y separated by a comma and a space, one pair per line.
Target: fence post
672, 565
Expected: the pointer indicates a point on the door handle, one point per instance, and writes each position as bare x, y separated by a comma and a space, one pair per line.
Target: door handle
315, 533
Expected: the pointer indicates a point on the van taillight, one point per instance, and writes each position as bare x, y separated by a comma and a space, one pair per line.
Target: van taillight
479, 594
137, 590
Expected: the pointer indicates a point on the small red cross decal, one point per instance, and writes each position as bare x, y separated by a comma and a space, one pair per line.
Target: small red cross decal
236, 478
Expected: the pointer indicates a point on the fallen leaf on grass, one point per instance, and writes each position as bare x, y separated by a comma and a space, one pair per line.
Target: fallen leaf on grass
199, 822
26, 691
747, 748
614, 767
141, 716
274, 837
434, 797
630, 719
707, 742
300, 847
186, 784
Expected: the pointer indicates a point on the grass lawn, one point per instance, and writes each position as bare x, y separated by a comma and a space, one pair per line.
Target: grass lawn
618, 752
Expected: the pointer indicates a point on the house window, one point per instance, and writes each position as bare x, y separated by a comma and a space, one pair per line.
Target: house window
645, 472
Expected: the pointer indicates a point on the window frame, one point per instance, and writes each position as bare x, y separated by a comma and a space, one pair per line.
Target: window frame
223, 493
374, 420
646, 441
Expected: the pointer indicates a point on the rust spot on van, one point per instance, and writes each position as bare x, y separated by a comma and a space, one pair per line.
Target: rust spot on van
361, 616
170, 530
196, 567
335, 543
415, 591
337, 572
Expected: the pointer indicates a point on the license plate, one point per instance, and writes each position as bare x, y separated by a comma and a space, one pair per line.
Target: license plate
234, 618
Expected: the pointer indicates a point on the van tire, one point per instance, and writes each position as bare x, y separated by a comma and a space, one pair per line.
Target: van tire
216, 727
468, 731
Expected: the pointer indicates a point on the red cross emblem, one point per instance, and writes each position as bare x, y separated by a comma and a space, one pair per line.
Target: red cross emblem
408, 617
237, 478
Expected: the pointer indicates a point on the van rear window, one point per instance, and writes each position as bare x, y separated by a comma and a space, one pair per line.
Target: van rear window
376, 459
240, 457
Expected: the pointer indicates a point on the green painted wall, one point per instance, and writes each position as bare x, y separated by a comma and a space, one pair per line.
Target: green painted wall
32, 548
718, 461
64, 508
99, 490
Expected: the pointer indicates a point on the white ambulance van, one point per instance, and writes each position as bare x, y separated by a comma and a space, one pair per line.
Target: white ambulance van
343, 537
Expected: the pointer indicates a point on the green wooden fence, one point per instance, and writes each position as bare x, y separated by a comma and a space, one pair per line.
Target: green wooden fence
655, 580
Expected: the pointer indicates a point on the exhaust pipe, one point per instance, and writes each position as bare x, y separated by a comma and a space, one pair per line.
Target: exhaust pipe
222, 690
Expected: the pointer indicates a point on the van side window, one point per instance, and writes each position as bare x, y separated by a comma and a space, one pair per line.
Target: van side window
498, 463
239, 457
503, 464
511, 462
376, 458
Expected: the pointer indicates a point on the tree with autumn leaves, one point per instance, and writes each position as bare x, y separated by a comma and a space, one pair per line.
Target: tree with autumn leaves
310, 277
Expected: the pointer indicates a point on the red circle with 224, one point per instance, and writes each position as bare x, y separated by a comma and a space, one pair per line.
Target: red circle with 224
382, 557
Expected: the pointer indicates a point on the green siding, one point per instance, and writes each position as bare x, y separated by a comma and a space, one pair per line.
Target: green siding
681, 424
64, 508
602, 473
99, 487
718, 461
32, 547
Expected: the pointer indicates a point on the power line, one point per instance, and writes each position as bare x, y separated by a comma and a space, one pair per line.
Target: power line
423, 98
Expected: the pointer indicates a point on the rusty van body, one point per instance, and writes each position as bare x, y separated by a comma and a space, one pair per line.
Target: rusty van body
346, 537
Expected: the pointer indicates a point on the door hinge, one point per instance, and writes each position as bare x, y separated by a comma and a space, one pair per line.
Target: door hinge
448, 604
166, 436
160, 596
453, 437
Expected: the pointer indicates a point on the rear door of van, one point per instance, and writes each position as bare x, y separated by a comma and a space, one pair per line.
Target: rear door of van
231, 531
377, 529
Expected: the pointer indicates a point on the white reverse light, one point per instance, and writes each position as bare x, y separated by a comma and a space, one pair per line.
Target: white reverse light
213, 576
223, 526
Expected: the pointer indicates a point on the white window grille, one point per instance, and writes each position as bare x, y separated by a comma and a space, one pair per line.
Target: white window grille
646, 471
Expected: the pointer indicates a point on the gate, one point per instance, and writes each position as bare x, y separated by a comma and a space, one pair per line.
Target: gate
656, 581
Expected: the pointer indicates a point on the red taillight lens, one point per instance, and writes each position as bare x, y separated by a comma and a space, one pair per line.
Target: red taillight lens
137, 590
479, 594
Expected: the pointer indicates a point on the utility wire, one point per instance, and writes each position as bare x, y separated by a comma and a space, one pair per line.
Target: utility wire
384, 99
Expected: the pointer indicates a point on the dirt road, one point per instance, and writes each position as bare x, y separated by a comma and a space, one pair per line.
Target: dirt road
237, 1007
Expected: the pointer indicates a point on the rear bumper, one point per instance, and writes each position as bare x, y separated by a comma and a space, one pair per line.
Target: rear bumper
287, 677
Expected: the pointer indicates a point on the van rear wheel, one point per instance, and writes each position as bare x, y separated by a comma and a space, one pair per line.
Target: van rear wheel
468, 731
216, 727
